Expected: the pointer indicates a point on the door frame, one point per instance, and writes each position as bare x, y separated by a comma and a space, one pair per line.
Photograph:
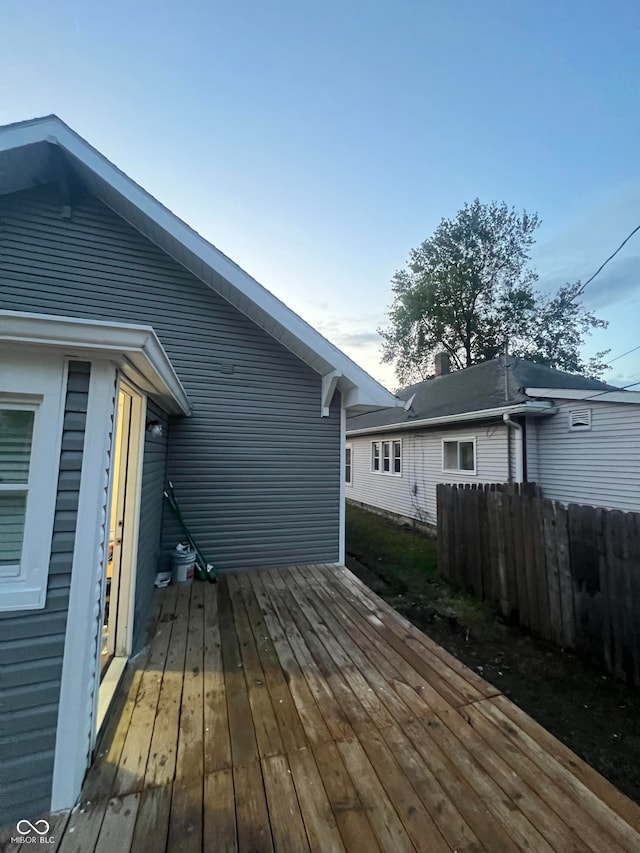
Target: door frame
131, 492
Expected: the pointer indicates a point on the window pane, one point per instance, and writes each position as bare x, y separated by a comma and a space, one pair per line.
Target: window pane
16, 430
375, 456
12, 514
397, 457
451, 455
467, 462
347, 465
386, 456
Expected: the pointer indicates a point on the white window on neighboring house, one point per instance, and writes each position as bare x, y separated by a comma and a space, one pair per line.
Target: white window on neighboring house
348, 474
386, 457
31, 409
459, 455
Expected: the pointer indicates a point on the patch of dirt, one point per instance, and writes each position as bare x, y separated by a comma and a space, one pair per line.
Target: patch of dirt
592, 713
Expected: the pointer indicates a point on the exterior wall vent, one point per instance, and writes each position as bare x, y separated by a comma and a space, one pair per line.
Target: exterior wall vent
579, 419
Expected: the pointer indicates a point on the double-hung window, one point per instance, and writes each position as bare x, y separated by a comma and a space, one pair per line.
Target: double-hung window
386, 457
31, 410
16, 439
348, 456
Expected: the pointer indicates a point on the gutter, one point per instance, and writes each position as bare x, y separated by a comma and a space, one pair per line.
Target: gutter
536, 409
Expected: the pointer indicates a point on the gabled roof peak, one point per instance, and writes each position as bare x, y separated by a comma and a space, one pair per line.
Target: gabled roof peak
23, 152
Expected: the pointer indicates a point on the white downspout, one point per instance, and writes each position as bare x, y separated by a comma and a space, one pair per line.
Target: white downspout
519, 477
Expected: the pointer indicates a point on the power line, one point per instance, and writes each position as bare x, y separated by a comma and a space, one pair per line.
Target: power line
603, 265
628, 352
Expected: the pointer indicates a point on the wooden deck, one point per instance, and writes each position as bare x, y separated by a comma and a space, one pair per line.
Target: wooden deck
293, 710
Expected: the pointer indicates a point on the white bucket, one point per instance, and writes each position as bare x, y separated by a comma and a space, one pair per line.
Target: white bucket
183, 563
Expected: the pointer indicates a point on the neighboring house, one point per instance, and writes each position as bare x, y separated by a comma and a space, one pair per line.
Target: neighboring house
505, 419
132, 351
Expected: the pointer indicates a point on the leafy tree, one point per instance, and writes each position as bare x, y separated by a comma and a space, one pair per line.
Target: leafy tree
469, 290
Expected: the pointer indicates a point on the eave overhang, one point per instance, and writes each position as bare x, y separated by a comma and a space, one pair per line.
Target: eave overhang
135, 350
528, 409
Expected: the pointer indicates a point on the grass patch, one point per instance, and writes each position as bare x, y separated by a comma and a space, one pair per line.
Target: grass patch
406, 560
402, 557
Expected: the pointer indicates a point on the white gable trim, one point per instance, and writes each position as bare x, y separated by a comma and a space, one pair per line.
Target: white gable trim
574, 394
135, 349
209, 264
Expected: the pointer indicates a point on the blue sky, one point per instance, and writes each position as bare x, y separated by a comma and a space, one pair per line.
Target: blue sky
317, 143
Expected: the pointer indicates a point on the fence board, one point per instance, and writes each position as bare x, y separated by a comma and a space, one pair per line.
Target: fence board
556, 633
564, 575
633, 602
583, 556
542, 584
519, 559
496, 534
530, 567
615, 564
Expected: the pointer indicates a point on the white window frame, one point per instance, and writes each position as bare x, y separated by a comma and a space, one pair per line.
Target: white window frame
460, 439
38, 383
348, 448
380, 446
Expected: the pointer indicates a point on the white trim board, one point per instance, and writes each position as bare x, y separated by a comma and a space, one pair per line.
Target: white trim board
75, 709
135, 349
210, 265
108, 687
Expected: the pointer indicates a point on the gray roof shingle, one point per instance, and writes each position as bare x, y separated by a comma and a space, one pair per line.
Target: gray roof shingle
474, 389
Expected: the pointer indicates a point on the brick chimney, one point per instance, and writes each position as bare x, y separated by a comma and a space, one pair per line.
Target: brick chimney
442, 363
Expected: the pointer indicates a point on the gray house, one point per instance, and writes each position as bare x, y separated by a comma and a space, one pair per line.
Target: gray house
132, 351
503, 420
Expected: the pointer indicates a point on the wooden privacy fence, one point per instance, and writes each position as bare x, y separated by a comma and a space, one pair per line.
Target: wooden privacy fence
569, 574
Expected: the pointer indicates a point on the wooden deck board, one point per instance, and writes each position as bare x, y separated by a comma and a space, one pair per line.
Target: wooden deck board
161, 763
219, 813
116, 832
292, 710
189, 758
132, 764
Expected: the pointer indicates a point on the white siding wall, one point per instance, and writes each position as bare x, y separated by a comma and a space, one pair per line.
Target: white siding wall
531, 442
600, 466
413, 494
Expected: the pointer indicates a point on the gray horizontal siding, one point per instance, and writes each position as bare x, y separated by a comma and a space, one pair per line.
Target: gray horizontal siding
600, 466
255, 467
32, 643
